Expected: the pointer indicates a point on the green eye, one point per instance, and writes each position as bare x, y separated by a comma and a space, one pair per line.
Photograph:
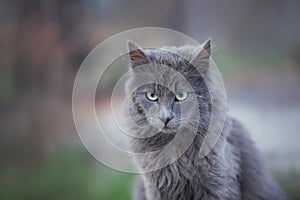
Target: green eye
181, 96
151, 96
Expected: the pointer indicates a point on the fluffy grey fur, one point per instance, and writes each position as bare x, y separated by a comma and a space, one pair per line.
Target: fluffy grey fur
233, 170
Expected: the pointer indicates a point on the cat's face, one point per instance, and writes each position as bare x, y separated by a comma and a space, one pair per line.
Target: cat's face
163, 108
165, 91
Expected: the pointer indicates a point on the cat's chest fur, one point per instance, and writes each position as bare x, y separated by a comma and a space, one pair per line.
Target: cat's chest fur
194, 178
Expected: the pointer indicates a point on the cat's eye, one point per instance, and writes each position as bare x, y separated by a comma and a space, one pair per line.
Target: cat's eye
181, 96
151, 96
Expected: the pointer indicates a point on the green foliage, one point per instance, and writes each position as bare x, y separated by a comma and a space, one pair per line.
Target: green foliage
231, 63
65, 175
291, 184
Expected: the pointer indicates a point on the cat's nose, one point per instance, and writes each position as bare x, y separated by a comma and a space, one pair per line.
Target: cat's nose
165, 115
166, 120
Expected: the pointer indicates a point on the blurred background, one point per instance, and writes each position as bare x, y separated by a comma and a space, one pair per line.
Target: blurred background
43, 43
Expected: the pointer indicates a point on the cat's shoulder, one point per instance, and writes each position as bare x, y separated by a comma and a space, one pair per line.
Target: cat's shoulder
238, 135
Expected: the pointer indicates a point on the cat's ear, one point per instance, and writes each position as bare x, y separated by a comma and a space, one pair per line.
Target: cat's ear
201, 58
137, 55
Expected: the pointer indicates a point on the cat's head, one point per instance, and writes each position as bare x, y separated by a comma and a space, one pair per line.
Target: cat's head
166, 89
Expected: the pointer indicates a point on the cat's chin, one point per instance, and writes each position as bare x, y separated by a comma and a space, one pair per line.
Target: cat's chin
169, 130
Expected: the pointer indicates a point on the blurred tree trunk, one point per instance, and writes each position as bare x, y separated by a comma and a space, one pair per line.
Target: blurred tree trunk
42, 62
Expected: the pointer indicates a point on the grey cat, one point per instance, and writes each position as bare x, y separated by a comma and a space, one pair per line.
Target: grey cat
162, 106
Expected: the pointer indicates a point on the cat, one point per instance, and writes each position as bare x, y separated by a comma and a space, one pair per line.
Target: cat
160, 107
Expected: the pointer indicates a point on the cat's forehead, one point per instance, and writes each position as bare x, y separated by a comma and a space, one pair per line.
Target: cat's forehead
163, 78
169, 58
169, 67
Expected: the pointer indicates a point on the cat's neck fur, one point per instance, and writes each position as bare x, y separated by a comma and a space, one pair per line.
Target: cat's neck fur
189, 177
